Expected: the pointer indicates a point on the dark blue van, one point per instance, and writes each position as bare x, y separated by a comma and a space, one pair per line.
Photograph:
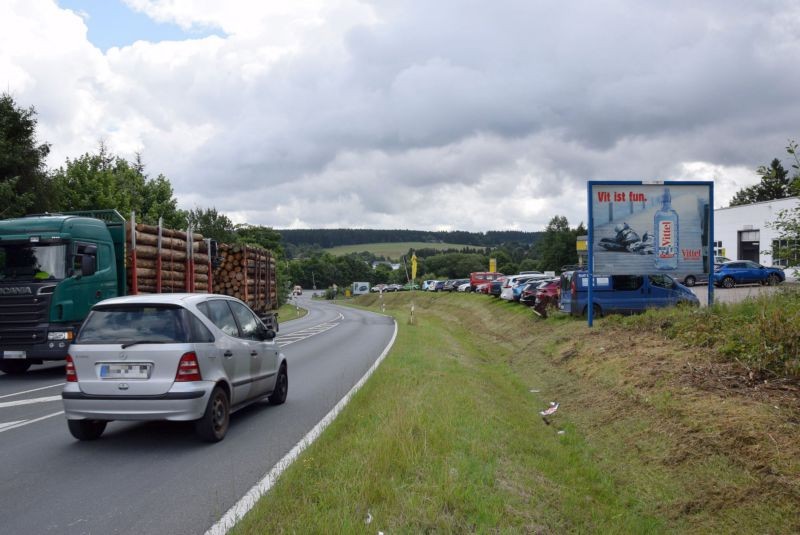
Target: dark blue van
621, 294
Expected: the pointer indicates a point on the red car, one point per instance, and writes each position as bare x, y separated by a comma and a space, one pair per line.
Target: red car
541, 296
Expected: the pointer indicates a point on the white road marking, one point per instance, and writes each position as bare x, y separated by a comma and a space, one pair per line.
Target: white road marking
10, 424
240, 508
29, 401
286, 339
26, 422
31, 390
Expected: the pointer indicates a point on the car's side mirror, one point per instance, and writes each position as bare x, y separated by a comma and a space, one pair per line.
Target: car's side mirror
265, 333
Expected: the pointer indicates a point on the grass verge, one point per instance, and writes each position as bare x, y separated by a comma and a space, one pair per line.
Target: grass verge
290, 311
446, 436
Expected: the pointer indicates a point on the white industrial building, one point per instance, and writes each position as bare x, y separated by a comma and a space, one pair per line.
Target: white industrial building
743, 232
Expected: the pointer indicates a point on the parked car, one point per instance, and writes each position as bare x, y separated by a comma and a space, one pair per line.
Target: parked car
517, 287
179, 357
730, 274
378, 288
465, 287
621, 294
453, 284
511, 282
480, 277
483, 288
496, 286
527, 295
691, 279
721, 259
427, 283
411, 286
547, 294
439, 286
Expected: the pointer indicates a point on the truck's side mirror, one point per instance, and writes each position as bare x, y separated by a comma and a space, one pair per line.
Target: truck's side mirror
89, 261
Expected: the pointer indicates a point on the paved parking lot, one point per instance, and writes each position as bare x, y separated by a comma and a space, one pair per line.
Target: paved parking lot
734, 295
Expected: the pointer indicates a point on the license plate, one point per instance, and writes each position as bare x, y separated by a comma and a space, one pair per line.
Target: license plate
14, 355
124, 371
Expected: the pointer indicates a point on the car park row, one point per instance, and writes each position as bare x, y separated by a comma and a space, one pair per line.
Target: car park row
625, 294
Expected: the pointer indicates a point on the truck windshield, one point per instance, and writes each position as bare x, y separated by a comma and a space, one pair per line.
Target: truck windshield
27, 261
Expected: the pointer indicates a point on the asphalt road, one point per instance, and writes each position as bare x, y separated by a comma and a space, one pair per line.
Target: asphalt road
158, 477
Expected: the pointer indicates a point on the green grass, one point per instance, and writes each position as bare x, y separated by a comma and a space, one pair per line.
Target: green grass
289, 311
392, 250
446, 436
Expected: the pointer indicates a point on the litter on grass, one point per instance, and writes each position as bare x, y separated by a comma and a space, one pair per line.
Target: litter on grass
368, 518
533, 390
550, 410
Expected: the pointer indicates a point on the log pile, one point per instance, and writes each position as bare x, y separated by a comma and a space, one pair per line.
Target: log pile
173, 272
247, 273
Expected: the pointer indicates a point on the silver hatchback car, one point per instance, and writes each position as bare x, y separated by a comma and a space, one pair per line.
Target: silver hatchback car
181, 357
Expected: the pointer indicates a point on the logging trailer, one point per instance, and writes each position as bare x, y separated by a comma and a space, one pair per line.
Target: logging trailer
55, 267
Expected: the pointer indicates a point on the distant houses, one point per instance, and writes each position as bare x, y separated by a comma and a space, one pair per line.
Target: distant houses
376, 263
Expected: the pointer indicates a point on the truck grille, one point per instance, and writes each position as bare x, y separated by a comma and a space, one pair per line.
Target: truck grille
22, 319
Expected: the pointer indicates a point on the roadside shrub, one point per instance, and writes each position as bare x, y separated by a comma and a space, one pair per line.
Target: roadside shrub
762, 333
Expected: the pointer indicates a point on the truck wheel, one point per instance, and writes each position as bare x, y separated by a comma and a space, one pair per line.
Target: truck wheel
86, 429
728, 282
14, 367
214, 423
689, 281
278, 395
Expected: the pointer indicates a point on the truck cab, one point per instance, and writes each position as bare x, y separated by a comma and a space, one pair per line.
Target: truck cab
53, 268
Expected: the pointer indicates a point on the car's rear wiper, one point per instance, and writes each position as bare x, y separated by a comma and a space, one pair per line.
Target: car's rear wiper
133, 343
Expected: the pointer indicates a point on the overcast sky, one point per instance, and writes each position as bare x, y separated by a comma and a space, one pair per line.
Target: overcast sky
445, 114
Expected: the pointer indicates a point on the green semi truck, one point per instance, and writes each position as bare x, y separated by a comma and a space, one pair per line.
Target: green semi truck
55, 267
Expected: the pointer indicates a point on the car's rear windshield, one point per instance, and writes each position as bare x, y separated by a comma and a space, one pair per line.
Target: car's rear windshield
142, 323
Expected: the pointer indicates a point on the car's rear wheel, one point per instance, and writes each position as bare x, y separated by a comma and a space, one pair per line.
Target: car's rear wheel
773, 280
86, 429
214, 423
689, 281
278, 395
13, 367
728, 282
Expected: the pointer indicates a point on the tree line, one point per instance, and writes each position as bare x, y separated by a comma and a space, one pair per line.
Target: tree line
327, 238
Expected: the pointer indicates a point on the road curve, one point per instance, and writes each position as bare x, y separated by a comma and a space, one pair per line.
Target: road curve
157, 477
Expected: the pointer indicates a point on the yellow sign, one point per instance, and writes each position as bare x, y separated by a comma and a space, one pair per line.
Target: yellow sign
413, 267
493, 265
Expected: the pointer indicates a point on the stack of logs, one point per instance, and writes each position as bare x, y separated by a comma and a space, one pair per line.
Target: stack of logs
173, 260
247, 273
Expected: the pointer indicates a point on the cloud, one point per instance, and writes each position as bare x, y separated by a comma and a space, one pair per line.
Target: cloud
452, 114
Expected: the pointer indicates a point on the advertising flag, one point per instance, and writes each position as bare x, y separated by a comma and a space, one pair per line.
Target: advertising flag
413, 266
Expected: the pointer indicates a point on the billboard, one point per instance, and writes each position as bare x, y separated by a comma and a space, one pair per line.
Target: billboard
650, 227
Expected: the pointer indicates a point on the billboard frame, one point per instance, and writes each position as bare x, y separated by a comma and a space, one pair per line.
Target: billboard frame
590, 245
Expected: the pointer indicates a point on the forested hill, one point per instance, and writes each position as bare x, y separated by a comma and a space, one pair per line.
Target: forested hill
326, 238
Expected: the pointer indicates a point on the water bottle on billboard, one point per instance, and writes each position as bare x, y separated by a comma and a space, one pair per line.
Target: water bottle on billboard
666, 227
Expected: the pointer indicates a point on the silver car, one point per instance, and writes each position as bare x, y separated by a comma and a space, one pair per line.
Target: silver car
180, 357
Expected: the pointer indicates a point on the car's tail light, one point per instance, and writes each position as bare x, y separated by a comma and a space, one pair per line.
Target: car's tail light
573, 288
188, 369
72, 376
